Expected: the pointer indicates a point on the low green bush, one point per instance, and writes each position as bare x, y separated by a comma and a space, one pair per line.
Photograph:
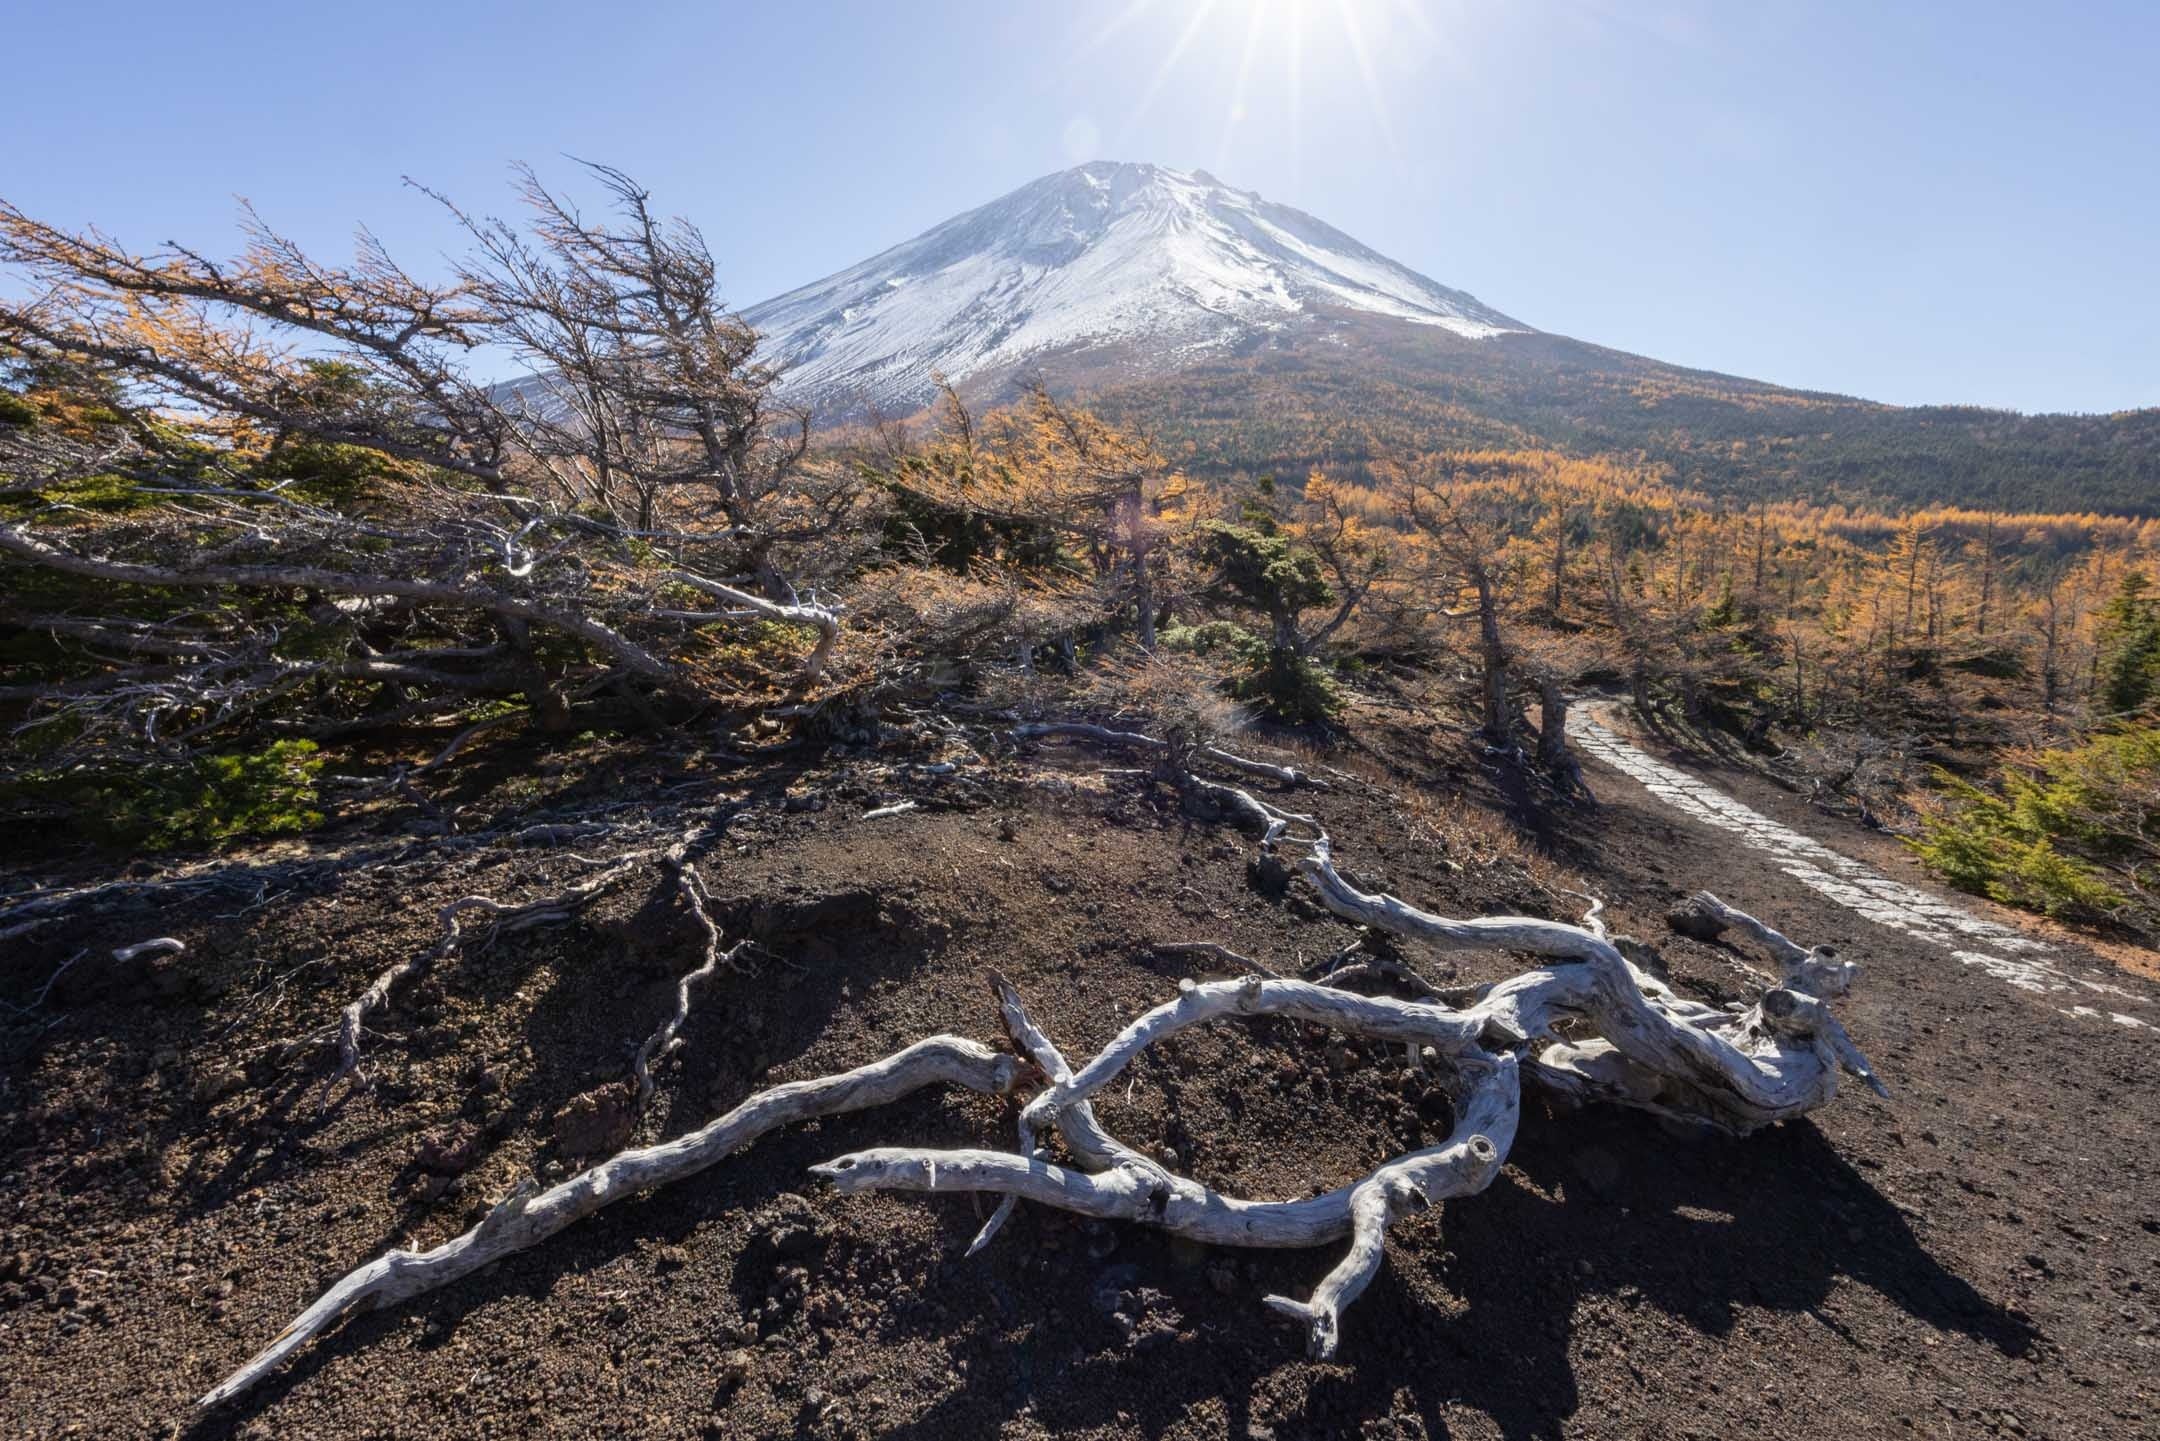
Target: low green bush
210, 800
2072, 832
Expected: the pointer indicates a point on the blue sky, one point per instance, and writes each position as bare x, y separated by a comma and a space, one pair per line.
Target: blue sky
1915, 203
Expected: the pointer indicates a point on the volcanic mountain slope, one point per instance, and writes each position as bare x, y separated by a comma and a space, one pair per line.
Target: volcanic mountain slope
1243, 335
1135, 268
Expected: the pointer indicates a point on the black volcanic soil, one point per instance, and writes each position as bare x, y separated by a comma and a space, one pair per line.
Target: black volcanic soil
1980, 1256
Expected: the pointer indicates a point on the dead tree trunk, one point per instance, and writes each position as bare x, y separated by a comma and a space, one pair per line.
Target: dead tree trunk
1552, 747
1499, 715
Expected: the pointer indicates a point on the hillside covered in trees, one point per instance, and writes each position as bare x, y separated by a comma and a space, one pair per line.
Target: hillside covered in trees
1369, 388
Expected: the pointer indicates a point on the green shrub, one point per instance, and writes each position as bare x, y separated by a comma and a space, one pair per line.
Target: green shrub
1282, 684
111, 493
345, 477
2068, 832
1213, 637
213, 799
2127, 668
1289, 687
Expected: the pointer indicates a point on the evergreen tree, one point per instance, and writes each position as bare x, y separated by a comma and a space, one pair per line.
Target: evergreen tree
2128, 644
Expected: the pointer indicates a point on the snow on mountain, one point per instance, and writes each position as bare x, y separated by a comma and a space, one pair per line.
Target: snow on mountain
1152, 264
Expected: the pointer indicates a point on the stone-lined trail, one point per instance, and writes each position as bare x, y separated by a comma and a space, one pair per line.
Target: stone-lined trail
1987, 946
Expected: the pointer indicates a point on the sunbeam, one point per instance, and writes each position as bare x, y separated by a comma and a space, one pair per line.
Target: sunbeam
1112, 27
1169, 63
1354, 32
1236, 112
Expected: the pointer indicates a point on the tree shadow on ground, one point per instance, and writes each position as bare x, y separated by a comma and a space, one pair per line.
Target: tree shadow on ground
1596, 1204
746, 1024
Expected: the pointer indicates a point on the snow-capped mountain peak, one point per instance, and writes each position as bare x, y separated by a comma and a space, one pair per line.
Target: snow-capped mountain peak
1149, 265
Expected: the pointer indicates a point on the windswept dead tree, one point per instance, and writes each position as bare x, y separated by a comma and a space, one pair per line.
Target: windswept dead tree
263, 481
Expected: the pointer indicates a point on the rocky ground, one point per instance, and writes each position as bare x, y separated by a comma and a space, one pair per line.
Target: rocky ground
1980, 1255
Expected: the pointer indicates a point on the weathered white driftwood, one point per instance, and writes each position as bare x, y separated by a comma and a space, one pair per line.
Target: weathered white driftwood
1118, 1183
1819, 972
1736, 1071
1592, 1026
529, 1216
161, 945
1469, 1161
1136, 1189
1095, 1147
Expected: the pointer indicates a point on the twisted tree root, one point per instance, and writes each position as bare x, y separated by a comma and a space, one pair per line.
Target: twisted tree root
1096, 1147
1646, 1047
1818, 972
452, 918
661, 1042
1122, 1184
1734, 1070
1465, 1165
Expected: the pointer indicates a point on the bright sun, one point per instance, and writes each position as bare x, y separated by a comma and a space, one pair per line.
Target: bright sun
1250, 34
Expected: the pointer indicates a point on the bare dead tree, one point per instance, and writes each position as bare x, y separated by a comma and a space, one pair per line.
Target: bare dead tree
291, 437
1465, 545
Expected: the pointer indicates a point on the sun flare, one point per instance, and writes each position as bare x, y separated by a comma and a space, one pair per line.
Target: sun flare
1266, 54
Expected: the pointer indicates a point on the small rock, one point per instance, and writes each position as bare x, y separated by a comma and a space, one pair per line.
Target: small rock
216, 1085
434, 1187
1693, 921
671, 1258
596, 1123
1268, 874
450, 1152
